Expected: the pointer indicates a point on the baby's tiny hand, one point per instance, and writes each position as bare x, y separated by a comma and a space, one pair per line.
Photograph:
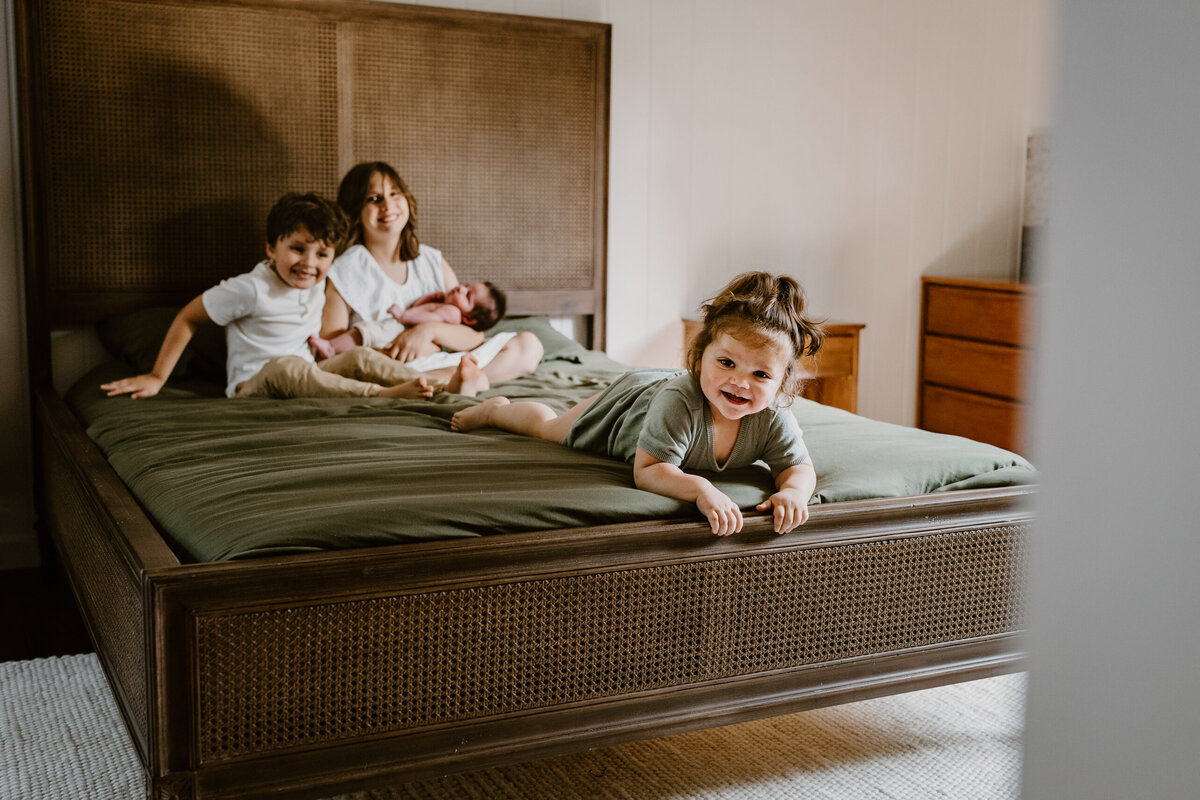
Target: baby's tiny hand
722, 513
396, 311
790, 509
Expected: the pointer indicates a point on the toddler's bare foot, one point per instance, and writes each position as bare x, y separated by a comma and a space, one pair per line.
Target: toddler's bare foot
322, 348
479, 416
415, 389
468, 378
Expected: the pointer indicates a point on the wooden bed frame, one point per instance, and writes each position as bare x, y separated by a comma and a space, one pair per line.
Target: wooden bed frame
311, 675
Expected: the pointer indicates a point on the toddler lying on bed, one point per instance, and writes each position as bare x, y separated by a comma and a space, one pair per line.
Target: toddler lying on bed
477, 305
270, 313
722, 413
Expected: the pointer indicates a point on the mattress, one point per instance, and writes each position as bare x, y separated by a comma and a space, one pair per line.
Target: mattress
248, 478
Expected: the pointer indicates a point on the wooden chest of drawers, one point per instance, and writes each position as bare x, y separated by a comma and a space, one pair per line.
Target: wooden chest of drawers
976, 339
831, 376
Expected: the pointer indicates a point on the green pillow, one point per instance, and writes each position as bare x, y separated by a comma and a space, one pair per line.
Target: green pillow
557, 346
137, 336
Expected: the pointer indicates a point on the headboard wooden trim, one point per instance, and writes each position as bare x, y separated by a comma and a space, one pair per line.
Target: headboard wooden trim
155, 135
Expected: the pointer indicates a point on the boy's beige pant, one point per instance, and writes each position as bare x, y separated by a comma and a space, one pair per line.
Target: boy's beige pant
358, 372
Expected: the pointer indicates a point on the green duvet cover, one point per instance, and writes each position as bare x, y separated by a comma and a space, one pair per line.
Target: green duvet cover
247, 478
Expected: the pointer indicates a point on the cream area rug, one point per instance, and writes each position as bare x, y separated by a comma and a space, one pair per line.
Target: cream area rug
61, 738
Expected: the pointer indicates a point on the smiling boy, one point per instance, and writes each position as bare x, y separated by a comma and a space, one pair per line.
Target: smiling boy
269, 315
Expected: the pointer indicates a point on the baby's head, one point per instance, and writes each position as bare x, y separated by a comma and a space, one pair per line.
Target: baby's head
482, 303
305, 232
760, 311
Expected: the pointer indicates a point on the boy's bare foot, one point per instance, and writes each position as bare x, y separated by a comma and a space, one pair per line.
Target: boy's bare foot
478, 416
415, 389
469, 379
322, 348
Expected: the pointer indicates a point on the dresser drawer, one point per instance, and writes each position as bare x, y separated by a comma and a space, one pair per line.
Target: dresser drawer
985, 419
975, 366
836, 357
993, 316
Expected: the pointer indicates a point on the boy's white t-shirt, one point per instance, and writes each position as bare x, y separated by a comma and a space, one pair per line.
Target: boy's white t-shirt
368, 290
264, 318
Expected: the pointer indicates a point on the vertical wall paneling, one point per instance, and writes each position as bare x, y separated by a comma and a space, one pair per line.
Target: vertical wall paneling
672, 182
498, 6
884, 295
712, 130
628, 177
586, 10
539, 8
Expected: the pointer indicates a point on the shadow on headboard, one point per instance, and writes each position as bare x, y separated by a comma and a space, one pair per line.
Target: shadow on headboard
156, 135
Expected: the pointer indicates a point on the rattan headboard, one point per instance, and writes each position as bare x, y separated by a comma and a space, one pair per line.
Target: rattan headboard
156, 135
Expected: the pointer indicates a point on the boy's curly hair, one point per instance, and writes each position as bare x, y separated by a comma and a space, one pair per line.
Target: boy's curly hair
320, 217
754, 304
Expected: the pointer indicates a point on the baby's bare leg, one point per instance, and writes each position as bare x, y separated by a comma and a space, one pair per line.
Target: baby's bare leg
527, 418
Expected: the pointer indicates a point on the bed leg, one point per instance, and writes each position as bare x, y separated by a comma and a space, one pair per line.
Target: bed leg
170, 787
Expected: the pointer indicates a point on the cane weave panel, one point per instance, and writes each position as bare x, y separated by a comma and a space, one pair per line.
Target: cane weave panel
495, 135
113, 604
278, 679
173, 129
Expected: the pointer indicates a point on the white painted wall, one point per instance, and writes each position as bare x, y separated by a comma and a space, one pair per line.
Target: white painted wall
856, 145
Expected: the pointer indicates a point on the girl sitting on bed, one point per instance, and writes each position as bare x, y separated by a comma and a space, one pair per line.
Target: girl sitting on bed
728, 410
388, 266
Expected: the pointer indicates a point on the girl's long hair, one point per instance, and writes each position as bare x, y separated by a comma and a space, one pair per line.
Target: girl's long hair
352, 197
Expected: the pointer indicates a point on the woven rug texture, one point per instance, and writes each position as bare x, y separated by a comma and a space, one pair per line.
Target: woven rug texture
61, 738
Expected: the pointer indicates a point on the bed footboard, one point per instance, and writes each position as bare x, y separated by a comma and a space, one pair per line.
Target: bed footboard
448, 679
317, 674
420, 660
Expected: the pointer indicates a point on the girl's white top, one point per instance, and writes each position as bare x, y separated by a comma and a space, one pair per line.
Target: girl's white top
368, 290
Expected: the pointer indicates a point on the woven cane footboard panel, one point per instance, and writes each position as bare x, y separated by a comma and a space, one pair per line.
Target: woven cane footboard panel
283, 678
112, 602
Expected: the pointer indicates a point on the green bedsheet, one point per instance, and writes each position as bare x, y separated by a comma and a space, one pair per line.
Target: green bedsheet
254, 477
